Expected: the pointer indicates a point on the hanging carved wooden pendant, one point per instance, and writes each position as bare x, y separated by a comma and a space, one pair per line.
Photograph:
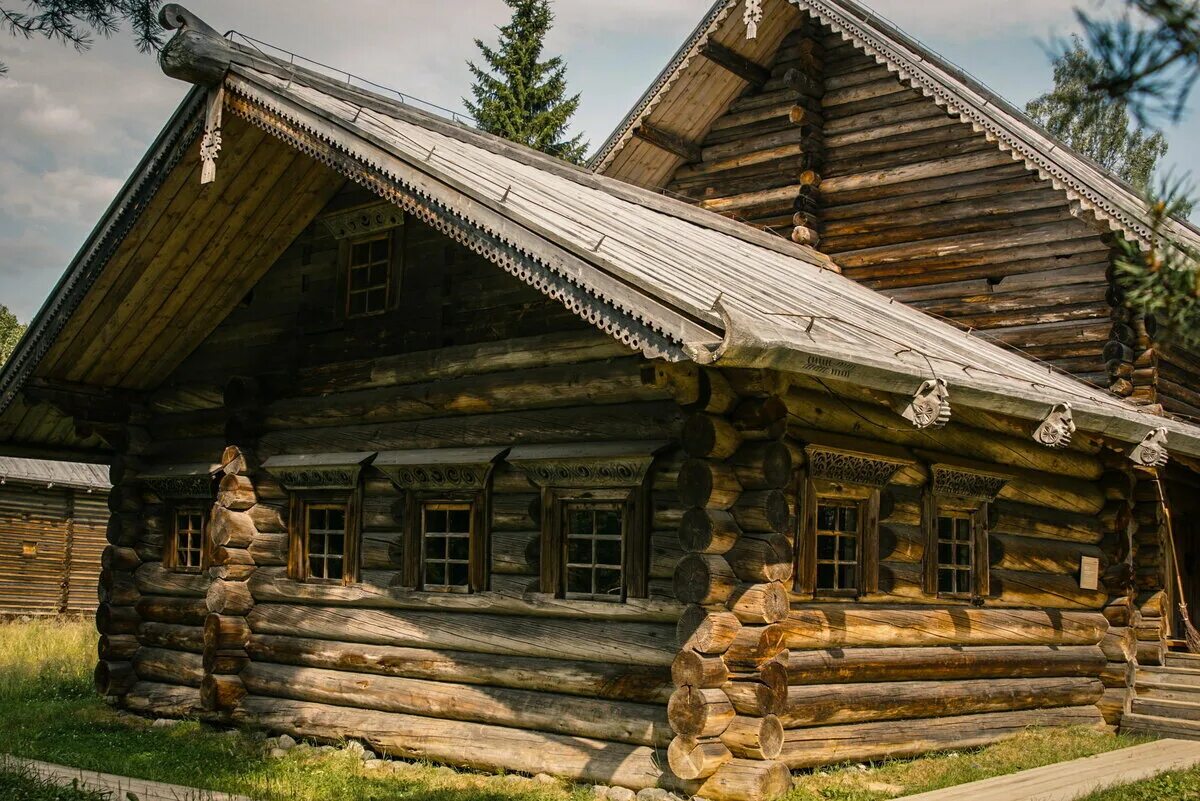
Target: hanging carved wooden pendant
1056, 430
753, 18
930, 407
210, 145
1152, 451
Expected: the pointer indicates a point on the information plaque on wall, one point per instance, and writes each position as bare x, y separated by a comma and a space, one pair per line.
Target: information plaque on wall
1089, 573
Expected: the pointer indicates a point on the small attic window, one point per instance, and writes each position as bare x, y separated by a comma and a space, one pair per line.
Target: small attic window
369, 276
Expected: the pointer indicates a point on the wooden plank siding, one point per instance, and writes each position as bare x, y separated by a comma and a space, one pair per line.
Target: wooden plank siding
50, 545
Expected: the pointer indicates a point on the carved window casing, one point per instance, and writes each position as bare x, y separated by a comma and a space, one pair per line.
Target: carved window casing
187, 492
447, 515
371, 251
595, 517
955, 512
325, 514
837, 554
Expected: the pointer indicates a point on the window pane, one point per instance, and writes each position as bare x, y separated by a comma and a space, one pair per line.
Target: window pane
359, 279
608, 552
316, 567
826, 577
849, 518
579, 522
435, 520
945, 553
336, 518
847, 578
945, 527
608, 582
946, 581
963, 556
459, 520
579, 550
360, 253
376, 299
334, 568
358, 303
336, 544
964, 528
849, 549
435, 547
826, 547
458, 575
435, 573
379, 249
827, 518
579, 579
460, 548
608, 522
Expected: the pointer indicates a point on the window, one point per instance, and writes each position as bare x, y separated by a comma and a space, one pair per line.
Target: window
29, 549
324, 536
325, 541
956, 547
595, 535
837, 552
369, 277
188, 535
838, 534
594, 544
955, 554
446, 553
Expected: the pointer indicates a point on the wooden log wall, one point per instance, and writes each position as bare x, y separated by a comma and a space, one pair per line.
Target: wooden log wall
1153, 580
50, 544
1121, 611
729, 674
908, 200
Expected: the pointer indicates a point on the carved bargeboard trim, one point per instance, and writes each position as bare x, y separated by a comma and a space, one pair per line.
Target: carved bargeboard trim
184, 481
326, 471
960, 482
363, 221
848, 467
586, 465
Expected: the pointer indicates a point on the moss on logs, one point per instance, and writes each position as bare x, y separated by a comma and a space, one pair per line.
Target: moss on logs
617, 721
619, 682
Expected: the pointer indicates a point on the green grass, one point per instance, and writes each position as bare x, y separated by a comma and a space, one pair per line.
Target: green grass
49, 711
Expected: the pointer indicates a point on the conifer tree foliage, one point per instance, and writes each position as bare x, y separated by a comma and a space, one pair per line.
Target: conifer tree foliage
11, 331
74, 22
1093, 123
519, 96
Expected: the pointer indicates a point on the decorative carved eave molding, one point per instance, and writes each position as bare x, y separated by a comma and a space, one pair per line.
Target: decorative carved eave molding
182, 481
586, 465
363, 220
438, 468
318, 471
966, 482
852, 467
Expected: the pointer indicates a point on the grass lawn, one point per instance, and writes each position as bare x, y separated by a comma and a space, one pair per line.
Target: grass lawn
49, 711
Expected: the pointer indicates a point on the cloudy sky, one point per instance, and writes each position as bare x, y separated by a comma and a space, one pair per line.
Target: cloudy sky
72, 126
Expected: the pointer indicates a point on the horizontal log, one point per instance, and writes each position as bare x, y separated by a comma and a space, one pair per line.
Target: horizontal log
690, 758
821, 705
762, 510
647, 685
693, 669
470, 745
868, 742
169, 667
163, 700
845, 665
225, 633
154, 579
699, 712
271, 585
117, 647
221, 693
230, 528
171, 636
706, 631
117, 619
1031, 554
759, 603
229, 598
704, 579
617, 721
761, 558
706, 484
114, 678
586, 640
236, 493
834, 626
165, 609
710, 531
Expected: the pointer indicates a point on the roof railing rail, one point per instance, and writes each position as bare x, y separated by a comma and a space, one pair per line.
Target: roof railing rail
351, 79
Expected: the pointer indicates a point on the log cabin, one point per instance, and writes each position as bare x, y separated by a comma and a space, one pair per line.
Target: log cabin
52, 521
422, 438
832, 126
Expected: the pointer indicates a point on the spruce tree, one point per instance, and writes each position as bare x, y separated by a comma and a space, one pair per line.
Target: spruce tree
74, 22
521, 97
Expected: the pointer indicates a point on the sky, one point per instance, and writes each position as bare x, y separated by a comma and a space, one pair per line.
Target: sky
74, 125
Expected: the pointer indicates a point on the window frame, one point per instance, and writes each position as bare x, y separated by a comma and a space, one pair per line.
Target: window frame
976, 510
395, 244
298, 534
479, 539
867, 499
171, 553
635, 557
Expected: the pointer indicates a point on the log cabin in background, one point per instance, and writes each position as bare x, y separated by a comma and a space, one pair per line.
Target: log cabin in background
52, 522
423, 438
